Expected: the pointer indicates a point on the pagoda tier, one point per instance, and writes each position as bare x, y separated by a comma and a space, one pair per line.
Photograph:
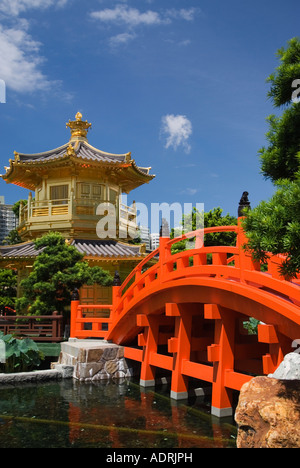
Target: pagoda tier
29, 170
70, 182
110, 255
98, 251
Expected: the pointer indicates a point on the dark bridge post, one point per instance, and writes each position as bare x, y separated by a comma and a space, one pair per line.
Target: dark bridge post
244, 203
115, 289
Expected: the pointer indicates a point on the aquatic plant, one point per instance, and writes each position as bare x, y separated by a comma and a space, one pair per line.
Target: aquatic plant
21, 355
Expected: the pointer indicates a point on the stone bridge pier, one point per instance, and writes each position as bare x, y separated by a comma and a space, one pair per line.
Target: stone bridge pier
94, 360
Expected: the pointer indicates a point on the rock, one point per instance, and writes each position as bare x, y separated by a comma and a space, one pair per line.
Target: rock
34, 376
66, 371
95, 360
268, 414
289, 369
111, 367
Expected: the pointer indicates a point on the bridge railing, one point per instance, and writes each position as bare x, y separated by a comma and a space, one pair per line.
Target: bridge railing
232, 263
226, 262
43, 328
164, 251
82, 326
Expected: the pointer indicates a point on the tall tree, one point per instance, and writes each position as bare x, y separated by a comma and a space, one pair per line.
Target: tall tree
215, 217
274, 225
8, 289
57, 271
16, 207
280, 159
209, 219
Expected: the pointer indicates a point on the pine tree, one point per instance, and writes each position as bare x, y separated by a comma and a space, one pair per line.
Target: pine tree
57, 271
274, 225
209, 219
8, 289
280, 160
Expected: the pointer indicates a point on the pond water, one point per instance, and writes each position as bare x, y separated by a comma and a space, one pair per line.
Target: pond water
70, 414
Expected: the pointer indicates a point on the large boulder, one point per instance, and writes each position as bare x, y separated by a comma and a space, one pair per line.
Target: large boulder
289, 369
268, 414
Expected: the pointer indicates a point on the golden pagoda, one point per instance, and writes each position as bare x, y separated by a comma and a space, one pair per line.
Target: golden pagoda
67, 186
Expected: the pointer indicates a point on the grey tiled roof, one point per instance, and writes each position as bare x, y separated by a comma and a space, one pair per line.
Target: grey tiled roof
83, 150
26, 250
106, 249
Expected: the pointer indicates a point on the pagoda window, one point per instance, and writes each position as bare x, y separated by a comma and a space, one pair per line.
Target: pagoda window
93, 191
85, 190
113, 195
59, 194
99, 191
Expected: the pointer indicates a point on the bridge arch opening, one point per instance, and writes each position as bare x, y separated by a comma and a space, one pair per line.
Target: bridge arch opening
184, 315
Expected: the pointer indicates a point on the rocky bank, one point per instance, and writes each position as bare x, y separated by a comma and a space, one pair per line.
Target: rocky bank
268, 411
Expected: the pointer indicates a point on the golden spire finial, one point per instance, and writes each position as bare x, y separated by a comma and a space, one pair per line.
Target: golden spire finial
78, 128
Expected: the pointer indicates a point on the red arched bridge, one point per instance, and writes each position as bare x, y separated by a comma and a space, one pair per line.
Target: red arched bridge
185, 313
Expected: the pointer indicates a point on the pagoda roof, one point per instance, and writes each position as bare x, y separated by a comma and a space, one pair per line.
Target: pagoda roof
99, 250
78, 151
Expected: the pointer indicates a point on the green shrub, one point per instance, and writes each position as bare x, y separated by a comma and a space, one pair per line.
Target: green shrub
20, 355
251, 326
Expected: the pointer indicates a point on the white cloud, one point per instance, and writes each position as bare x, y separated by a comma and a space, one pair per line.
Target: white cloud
126, 15
190, 191
15, 7
187, 14
20, 60
123, 15
123, 38
134, 17
177, 130
185, 43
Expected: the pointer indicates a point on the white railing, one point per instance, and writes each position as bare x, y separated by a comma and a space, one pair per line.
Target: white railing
38, 210
45, 208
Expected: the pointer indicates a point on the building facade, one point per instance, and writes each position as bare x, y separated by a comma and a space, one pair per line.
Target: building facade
76, 189
144, 233
8, 219
154, 241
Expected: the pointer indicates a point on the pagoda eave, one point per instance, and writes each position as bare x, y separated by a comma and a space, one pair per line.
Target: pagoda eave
29, 175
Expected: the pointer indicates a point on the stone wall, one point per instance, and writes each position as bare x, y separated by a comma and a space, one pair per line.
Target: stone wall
95, 361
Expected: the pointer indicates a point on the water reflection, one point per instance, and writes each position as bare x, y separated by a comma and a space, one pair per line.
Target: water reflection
70, 414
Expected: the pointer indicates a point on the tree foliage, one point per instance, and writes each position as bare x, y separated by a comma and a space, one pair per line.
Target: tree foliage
12, 238
209, 219
215, 218
280, 160
57, 271
282, 157
8, 289
274, 225
16, 207
282, 78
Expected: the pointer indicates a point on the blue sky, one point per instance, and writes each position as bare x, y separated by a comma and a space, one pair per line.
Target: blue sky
179, 83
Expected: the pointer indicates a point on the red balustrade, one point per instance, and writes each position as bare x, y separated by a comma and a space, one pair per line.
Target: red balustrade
184, 313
